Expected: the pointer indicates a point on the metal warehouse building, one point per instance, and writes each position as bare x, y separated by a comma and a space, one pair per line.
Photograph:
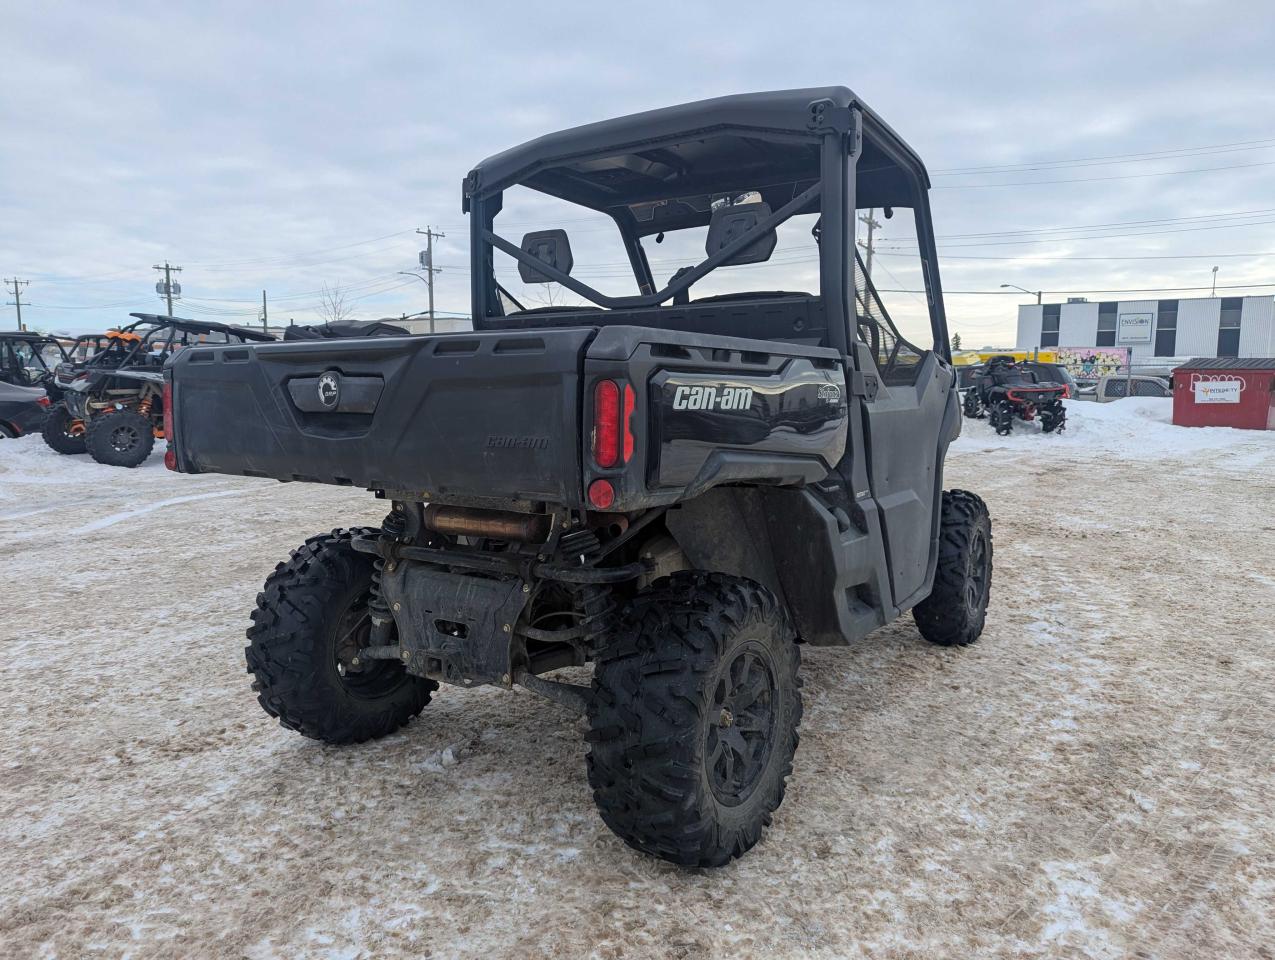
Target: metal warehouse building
1153, 329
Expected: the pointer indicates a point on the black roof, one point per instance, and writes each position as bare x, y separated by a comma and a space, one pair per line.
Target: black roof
1228, 363
706, 146
203, 326
24, 335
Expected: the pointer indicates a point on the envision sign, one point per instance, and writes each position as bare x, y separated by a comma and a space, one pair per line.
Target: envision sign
1134, 328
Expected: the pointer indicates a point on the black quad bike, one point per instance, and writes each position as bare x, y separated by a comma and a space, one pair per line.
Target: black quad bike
680, 491
112, 404
1003, 390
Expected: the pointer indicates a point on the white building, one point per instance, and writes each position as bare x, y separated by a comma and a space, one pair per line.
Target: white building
1153, 329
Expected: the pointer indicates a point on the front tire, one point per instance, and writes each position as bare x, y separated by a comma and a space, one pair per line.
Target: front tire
310, 620
1002, 418
956, 609
973, 405
1053, 417
122, 438
694, 717
63, 432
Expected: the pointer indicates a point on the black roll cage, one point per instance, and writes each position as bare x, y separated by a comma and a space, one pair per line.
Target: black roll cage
160, 323
835, 123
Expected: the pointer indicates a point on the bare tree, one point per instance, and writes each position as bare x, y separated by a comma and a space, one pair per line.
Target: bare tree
334, 306
551, 295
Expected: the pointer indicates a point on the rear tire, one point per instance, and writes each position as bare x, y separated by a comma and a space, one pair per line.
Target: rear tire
310, 617
693, 719
56, 431
122, 438
956, 609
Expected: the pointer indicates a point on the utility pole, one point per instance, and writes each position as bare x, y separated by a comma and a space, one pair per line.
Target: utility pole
427, 262
870, 219
165, 288
16, 290
265, 316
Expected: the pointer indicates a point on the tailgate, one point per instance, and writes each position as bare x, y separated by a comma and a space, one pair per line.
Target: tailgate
472, 414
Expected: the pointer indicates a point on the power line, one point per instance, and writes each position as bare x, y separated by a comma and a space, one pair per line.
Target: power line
1012, 293
1234, 147
287, 258
1044, 257
1101, 236
1125, 176
1158, 221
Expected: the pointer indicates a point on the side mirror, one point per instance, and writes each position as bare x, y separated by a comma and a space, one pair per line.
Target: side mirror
730, 223
550, 247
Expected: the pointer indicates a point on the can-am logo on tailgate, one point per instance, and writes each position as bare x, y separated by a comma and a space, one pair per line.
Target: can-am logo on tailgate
712, 398
329, 390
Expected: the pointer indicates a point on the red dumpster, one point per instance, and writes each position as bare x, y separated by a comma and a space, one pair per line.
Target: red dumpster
1225, 392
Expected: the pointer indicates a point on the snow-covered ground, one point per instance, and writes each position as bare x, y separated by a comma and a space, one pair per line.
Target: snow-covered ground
1094, 778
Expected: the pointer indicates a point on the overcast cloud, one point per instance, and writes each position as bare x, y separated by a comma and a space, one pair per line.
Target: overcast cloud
285, 145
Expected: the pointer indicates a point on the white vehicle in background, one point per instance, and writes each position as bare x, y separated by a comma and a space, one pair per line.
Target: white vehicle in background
1118, 386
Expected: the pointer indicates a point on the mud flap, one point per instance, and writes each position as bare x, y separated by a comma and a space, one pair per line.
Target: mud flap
456, 628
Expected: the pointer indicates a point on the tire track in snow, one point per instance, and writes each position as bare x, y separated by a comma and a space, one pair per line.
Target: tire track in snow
114, 518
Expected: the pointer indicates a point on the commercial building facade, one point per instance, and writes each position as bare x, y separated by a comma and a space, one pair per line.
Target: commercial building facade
1153, 330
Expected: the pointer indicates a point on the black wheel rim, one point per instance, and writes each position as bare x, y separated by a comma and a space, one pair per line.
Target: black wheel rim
124, 438
372, 679
741, 724
976, 580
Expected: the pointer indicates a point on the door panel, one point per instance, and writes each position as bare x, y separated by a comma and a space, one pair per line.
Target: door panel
904, 422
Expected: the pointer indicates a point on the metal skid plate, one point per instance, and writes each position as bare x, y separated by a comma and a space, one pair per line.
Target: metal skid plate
456, 627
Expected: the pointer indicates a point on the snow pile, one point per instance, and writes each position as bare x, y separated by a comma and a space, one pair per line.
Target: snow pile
1138, 428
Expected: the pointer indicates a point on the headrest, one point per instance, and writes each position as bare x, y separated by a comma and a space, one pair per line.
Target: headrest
728, 223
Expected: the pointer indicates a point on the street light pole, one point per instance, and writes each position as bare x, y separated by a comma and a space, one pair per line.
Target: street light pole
409, 273
1035, 293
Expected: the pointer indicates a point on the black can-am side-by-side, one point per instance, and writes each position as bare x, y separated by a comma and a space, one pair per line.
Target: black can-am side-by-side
677, 489
111, 404
27, 360
1003, 390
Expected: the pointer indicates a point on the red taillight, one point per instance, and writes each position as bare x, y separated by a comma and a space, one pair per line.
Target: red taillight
44, 401
606, 424
601, 494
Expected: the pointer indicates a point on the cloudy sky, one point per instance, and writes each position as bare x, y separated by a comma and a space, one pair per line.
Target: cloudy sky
1078, 148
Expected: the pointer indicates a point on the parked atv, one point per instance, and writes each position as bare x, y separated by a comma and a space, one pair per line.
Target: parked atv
680, 491
1003, 390
112, 404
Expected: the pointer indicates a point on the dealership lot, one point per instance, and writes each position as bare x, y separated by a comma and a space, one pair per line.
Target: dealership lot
1094, 776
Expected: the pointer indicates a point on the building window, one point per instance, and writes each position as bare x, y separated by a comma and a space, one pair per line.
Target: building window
1106, 325
1228, 333
1166, 328
1049, 320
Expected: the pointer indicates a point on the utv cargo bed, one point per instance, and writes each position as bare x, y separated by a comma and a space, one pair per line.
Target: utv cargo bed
458, 411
